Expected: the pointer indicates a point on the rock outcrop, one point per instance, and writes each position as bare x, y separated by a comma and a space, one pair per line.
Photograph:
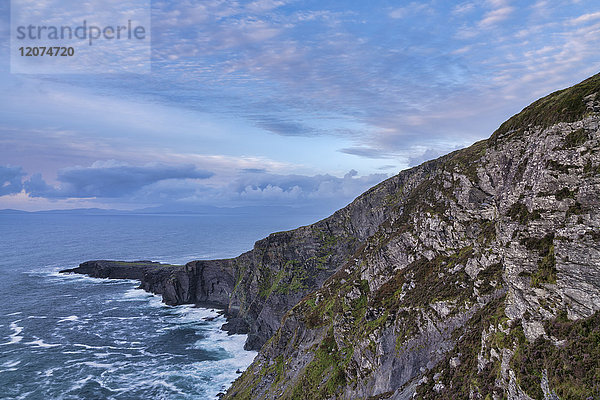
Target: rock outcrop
257, 288
476, 275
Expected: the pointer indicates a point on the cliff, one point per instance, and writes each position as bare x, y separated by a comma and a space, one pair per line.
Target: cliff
260, 286
476, 275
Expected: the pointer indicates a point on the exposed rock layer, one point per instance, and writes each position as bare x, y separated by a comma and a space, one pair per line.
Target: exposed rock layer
465, 277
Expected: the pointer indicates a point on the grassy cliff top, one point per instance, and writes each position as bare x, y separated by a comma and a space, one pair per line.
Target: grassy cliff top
567, 105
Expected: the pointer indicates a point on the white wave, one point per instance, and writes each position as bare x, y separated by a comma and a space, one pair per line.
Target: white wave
41, 343
126, 318
135, 293
94, 364
10, 364
218, 339
24, 396
88, 347
80, 383
146, 353
83, 278
190, 313
139, 295
163, 383
13, 314
46, 270
223, 372
69, 318
15, 337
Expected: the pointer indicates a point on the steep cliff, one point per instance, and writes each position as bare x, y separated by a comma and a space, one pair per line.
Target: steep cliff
260, 286
483, 281
476, 275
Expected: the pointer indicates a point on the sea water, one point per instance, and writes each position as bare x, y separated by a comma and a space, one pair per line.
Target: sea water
74, 337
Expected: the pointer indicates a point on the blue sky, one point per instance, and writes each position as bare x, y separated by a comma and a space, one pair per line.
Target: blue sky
282, 102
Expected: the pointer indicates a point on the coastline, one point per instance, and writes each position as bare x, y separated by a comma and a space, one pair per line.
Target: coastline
162, 279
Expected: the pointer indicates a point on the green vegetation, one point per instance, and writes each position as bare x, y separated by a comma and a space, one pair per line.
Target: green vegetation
407, 326
277, 369
546, 272
393, 198
144, 264
563, 168
594, 234
466, 159
572, 366
243, 387
332, 303
589, 168
291, 278
297, 276
433, 282
240, 271
519, 212
266, 281
562, 106
488, 232
465, 378
521, 169
324, 375
575, 209
575, 139
564, 193
346, 302
318, 315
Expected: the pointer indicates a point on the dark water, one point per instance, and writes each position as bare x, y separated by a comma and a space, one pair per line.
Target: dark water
73, 337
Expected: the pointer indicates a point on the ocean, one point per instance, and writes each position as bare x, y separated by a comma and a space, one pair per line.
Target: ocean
74, 337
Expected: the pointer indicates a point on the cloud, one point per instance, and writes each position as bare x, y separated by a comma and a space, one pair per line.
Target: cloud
109, 180
386, 167
585, 18
411, 9
260, 6
11, 180
260, 188
306, 69
429, 154
298, 189
35, 186
366, 152
285, 128
496, 16
254, 170
158, 184
541, 8
463, 8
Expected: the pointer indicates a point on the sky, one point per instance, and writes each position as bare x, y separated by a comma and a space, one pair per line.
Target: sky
280, 102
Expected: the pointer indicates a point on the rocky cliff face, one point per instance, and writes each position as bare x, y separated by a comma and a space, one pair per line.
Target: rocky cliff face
260, 286
476, 275
482, 281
